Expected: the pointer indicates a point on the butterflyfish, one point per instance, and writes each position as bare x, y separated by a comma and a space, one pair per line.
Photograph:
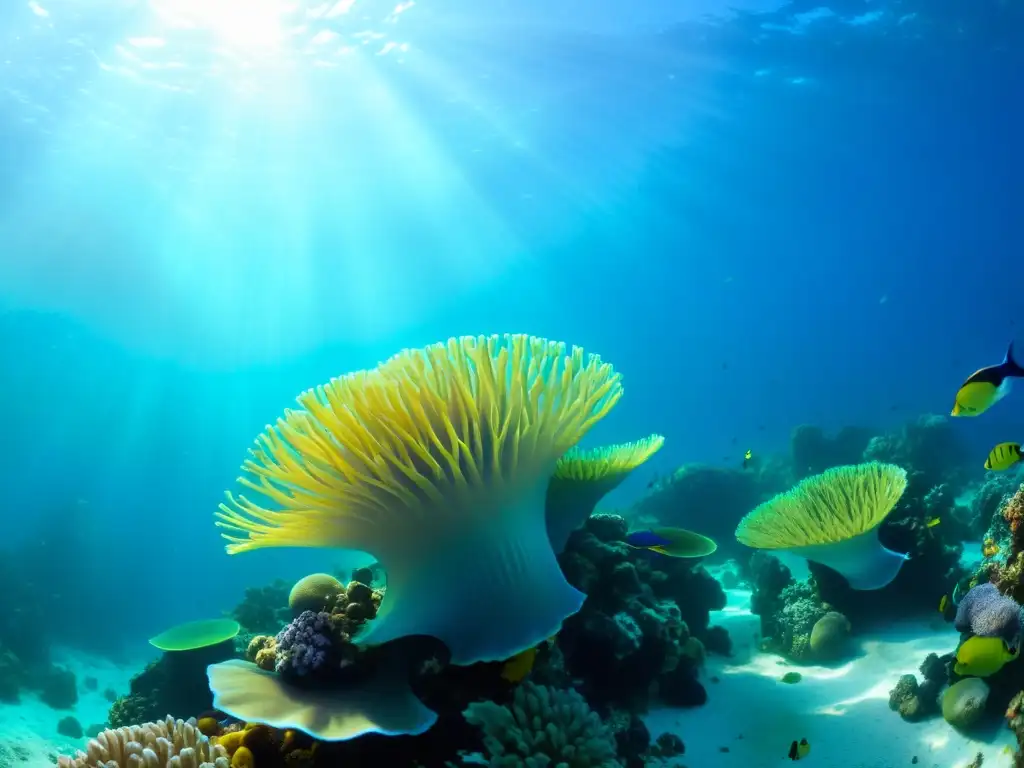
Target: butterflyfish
986, 386
673, 542
1003, 456
981, 656
798, 750
747, 457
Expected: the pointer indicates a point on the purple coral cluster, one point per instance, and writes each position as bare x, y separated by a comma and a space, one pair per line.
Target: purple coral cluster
304, 645
984, 611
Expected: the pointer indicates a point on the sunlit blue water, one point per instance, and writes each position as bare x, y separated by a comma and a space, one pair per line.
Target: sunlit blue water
763, 218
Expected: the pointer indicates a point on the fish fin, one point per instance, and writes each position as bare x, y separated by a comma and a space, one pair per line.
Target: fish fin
1011, 366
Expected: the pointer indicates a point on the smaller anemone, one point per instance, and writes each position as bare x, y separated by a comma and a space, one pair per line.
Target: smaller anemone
583, 476
832, 518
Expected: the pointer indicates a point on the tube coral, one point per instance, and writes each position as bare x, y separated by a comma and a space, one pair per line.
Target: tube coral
437, 462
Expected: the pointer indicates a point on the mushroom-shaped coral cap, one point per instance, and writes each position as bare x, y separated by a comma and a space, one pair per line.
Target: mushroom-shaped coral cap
314, 593
196, 634
382, 703
831, 518
583, 476
437, 462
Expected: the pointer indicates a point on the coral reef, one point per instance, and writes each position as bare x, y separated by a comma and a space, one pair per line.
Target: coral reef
789, 610
163, 744
929, 449
264, 610
543, 726
642, 622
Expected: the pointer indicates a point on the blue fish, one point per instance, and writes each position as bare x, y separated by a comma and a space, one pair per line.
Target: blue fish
673, 542
646, 539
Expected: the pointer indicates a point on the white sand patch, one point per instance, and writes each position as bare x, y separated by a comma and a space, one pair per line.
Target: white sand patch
843, 711
29, 729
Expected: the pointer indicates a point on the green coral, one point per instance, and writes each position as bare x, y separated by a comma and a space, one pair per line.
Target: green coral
543, 727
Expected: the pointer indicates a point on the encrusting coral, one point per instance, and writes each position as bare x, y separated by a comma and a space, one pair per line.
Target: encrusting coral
437, 462
583, 476
543, 727
166, 744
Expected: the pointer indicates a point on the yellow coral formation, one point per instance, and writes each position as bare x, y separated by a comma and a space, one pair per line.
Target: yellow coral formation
603, 463
436, 462
243, 758
208, 726
262, 651
583, 477
167, 744
414, 435
834, 506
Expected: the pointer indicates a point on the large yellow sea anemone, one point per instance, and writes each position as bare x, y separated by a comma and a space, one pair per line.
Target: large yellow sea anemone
437, 462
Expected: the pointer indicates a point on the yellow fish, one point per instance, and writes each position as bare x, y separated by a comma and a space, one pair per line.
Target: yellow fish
982, 656
1003, 456
986, 387
519, 666
943, 604
799, 750
933, 522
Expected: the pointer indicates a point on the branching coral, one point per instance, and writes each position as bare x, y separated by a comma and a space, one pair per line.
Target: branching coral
167, 744
542, 727
437, 462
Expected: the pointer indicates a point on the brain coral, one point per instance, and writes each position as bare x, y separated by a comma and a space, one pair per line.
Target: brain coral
314, 593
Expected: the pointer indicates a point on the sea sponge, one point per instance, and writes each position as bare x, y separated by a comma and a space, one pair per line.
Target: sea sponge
437, 462
964, 702
583, 476
831, 519
829, 635
378, 702
984, 611
316, 592
541, 727
167, 744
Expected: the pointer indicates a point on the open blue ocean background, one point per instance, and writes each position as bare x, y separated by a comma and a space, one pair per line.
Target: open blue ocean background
763, 215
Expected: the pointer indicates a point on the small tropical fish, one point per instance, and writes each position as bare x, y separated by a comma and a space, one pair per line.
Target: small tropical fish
519, 666
1003, 456
673, 542
944, 603
747, 457
798, 750
982, 656
933, 522
986, 386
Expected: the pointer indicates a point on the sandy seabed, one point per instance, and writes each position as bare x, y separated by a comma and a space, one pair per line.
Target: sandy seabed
751, 717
